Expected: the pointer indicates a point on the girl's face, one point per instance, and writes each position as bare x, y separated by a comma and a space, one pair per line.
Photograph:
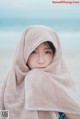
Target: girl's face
41, 57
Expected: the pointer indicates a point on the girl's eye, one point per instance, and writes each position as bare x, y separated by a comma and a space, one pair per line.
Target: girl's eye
48, 52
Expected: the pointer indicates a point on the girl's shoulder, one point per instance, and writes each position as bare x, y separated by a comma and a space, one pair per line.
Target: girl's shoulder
62, 116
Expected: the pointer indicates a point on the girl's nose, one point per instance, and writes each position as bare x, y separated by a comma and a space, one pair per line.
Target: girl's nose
41, 60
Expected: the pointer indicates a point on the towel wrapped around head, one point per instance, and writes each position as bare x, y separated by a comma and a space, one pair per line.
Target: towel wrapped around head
39, 93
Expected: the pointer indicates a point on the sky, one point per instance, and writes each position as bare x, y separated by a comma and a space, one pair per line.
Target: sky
37, 9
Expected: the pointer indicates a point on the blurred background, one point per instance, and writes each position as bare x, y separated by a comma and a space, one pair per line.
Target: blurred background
15, 15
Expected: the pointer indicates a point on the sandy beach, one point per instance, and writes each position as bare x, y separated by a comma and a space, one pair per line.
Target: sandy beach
71, 57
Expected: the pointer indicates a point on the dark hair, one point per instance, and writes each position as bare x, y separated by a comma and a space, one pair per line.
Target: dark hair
50, 44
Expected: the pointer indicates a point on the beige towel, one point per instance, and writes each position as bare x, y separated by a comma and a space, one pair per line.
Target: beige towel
38, 93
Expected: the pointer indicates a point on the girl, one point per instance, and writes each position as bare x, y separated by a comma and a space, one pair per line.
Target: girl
39, 84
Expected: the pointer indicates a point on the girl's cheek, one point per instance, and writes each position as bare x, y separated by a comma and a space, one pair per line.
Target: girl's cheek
34, 59
49, 56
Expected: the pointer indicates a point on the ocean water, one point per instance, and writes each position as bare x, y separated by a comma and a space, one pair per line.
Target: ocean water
57, 24
67, 29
